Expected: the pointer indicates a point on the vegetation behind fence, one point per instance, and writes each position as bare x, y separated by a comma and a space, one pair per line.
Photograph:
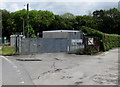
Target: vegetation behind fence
107, 41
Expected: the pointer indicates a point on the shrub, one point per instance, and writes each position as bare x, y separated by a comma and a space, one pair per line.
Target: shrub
107, 41
8, 50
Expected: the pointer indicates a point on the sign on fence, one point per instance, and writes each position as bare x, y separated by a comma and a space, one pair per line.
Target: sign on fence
77, 41
90, 41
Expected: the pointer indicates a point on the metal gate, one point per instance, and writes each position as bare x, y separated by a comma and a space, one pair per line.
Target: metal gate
43, 45
50, 45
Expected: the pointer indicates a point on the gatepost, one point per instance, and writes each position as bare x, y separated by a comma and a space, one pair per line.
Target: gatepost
15, 40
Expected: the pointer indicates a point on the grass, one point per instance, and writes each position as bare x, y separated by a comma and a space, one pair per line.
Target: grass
0, 51
7, 50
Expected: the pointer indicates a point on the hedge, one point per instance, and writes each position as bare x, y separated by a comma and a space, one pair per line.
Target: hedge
110, 41
8, 50
107, 41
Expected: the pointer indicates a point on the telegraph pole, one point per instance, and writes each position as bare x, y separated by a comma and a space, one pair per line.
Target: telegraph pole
27, 19
23, 27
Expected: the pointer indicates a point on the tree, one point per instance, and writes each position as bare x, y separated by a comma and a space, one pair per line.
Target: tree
98, 14
19, 17
68, 15
57, 23
7, 24
29, 31
45, 18
85, 21
107, 21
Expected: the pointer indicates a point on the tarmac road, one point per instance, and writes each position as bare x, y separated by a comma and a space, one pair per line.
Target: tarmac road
13, 74
71, 69
0, 69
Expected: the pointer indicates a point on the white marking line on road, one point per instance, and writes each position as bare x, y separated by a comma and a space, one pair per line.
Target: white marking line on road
6, 59
15, 67
22, 82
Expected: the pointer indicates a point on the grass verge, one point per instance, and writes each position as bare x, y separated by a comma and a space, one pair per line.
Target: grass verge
7, 51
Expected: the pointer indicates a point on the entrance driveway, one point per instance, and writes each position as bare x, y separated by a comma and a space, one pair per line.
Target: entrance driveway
71, 69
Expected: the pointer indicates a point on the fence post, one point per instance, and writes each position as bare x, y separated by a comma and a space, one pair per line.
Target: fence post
85, 44
16, 44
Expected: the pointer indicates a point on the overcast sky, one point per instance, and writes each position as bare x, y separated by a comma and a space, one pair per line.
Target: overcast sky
76, 7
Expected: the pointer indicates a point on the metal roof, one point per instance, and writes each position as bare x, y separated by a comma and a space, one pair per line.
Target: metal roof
61, 31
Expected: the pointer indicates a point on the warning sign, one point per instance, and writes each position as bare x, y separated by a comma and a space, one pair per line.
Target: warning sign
90, 41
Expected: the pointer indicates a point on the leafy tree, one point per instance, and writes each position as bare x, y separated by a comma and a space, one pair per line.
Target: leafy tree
34, 20
68, 15
45, 18
7, 24
57, 23
29, 31
85, 21
98, 14
0, 25
114, 15
19, 17
107, 21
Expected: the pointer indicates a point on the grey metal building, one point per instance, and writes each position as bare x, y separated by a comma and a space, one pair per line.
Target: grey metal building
53, 42
74, 38
69, 34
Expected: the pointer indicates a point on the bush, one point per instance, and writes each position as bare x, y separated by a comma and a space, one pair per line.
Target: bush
111, 41
107, 41
8, 50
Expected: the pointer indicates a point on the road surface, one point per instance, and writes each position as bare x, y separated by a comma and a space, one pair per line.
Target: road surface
71, 69
11, 73
0, 68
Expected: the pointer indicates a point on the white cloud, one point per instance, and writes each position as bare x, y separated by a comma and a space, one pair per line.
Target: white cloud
77, 8
2, 5
60, 0
14, 7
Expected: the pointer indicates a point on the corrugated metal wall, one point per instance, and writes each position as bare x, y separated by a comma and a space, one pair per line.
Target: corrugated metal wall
43, 45
68, 35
